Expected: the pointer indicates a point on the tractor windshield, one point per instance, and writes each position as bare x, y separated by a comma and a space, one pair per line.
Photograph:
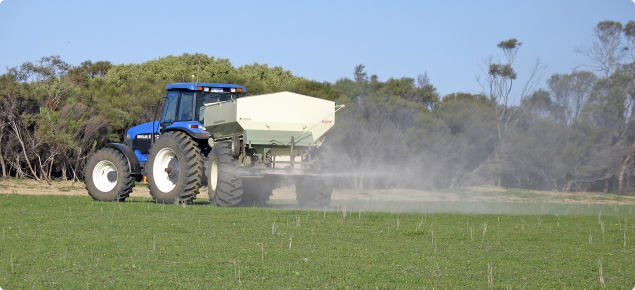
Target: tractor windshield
206, 98
177, 109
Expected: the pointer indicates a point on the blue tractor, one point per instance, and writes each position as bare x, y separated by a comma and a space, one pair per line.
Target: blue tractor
167, 154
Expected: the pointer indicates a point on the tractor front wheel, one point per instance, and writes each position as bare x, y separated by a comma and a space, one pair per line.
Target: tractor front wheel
108, 176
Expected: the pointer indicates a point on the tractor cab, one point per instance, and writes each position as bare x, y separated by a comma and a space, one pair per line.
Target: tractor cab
183, 110
185, 103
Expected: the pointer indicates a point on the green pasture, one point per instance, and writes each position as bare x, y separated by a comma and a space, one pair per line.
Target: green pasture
69, 242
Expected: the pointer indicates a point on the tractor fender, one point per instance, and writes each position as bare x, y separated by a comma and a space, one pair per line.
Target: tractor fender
195, 135
133, 161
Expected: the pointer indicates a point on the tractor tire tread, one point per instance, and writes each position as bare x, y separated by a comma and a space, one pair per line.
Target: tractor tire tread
122, 189
186, 190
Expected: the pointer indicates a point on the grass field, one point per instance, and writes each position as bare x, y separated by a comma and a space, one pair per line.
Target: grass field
74, 242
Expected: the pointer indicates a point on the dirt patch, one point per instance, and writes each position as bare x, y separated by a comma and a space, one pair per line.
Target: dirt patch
29, 186
480, 193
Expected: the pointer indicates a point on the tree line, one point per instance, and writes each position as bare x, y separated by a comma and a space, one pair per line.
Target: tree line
575, 134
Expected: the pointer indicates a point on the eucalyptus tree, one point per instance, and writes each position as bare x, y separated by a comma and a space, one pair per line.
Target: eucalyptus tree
606, 50
50, 74
498, 85
569, 93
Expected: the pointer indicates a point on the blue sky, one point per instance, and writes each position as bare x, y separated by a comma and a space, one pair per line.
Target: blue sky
319, 40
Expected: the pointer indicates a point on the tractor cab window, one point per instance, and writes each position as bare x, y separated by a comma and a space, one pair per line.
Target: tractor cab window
169, 109
211, 98
186, 105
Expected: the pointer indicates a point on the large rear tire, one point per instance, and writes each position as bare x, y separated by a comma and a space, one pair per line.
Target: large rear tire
225, 187
108, 176
175, 168
314, 192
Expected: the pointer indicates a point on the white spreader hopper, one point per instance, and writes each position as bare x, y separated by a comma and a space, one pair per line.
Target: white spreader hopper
271, 118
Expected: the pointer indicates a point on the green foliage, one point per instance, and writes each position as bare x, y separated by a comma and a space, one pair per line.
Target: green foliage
91, 70
610, 26
458, 97
539, 103
510, 44
202, 68
45, 69
504, 71
570, 93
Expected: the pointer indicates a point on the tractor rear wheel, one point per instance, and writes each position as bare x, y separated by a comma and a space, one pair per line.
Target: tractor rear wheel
108, 176
175, 168
225, 187
314, 192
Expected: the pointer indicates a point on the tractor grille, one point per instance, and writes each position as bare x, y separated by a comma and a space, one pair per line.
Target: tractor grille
143, 145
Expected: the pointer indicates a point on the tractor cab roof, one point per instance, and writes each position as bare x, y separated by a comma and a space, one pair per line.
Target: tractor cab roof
200, 86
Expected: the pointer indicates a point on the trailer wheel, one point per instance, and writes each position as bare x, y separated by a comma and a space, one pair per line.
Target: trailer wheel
175, 167
108, 176
257, 191
224, 186
314, 192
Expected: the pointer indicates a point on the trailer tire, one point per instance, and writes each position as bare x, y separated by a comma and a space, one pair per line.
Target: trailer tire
225, 187
314, 192
108, 176
175, 167
257, 191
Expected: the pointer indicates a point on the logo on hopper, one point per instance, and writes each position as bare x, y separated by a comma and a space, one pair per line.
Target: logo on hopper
327, 121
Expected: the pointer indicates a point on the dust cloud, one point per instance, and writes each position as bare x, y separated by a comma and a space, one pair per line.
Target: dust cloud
471, 200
